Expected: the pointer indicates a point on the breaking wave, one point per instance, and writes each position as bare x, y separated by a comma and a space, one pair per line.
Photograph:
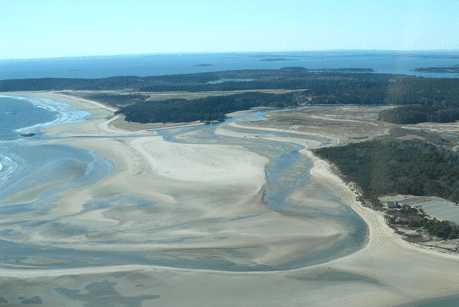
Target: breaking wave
7, 167
65, 113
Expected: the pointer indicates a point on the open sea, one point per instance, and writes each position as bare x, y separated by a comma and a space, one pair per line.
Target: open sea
28, 161
146, 65
20, 115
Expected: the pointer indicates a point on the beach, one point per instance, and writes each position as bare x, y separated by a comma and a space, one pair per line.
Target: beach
192, 210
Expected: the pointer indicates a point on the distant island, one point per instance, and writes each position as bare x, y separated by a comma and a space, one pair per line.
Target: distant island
436, 99
203, 65
275, 59
445, 69
342, 70
380, 167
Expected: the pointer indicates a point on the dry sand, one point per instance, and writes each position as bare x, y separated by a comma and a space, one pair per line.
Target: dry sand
386, 272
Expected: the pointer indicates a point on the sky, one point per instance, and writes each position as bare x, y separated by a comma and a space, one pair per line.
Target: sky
62, 28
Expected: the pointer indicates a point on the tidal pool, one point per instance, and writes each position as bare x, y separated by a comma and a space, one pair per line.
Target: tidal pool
47, 170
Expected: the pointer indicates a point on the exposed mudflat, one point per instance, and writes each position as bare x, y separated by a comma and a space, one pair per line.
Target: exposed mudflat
236, 214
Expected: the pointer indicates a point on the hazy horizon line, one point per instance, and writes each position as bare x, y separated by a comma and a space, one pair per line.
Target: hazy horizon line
221, 52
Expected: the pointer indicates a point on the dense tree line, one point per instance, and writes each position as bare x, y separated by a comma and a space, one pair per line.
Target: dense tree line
211, 108
444, 69
114, 99
345, 86
420, 113
327, 86
416, 218
287, 78
389, 166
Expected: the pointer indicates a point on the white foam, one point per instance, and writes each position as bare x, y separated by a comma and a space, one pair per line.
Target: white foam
7, 167
66, 113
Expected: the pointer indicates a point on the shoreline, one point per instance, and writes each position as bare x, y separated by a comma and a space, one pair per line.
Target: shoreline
102, 120
377, 226
324, 168
321, 169
65, 113
388, 269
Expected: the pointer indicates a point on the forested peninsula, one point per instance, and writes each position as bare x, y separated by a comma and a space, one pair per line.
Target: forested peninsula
388, 166
429, 99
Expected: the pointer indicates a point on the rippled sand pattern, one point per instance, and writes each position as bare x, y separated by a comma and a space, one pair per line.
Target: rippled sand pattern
206, 216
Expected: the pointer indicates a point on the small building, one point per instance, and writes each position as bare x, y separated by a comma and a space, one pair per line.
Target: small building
393, 205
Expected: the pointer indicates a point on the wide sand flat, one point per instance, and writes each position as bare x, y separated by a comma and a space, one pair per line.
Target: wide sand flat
208, 204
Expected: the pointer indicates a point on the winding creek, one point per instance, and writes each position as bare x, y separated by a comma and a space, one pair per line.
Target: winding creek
47, 169
287, 172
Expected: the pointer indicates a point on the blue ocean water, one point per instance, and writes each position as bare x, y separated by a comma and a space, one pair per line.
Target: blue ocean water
144, 65
26, 161
17, 113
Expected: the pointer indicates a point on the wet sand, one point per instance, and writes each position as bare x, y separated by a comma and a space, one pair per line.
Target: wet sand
203, 205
